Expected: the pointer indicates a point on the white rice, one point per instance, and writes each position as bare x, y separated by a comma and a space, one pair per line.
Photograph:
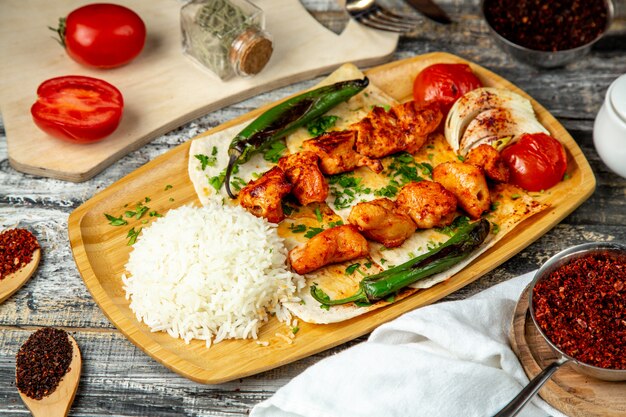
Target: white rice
209, 273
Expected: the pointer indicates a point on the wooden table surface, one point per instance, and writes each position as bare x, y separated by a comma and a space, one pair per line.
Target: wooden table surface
118, 379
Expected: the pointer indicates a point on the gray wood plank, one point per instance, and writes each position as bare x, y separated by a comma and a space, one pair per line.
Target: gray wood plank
118, 379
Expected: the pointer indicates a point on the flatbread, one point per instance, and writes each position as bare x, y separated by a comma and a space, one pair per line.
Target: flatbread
511, 206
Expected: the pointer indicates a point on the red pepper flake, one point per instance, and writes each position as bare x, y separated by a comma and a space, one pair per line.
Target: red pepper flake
42, 361
581, 308
554, 25
16, 250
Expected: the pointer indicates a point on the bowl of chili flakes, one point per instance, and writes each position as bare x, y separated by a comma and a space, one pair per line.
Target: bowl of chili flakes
578, 303
547, 34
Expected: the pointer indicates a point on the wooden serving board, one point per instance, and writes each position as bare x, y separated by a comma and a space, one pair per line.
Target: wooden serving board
100, 250
162, 88
574, 394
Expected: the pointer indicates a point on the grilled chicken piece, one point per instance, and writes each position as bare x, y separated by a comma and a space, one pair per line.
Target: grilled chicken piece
467, 183
403, 128
301, 169
336, 153
428, 203
486, 157
262, 197
381, 221
341, 243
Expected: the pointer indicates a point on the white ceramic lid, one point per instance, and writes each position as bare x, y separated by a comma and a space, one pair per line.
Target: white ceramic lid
618, 96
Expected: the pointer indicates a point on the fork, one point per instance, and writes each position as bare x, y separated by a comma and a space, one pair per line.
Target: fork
370, 14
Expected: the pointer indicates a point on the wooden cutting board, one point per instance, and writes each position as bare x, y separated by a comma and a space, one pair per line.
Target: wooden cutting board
162, 88
572, 393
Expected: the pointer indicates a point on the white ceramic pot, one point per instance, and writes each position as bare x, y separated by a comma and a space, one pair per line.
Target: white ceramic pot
609, 129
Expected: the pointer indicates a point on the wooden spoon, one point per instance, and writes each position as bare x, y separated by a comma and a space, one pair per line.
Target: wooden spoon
13, 282
59, 402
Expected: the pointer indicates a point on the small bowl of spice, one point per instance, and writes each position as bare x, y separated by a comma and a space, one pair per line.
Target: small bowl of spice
547, 34
578, 303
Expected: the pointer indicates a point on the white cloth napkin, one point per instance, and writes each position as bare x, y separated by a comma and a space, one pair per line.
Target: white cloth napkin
450, 359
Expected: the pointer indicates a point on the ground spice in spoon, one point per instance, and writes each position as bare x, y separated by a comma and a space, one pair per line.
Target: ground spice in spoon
42, 361
16, 250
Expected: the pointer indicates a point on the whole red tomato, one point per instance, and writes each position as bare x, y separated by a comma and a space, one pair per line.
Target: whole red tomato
537, 162
444, 83
78, 109
102, 35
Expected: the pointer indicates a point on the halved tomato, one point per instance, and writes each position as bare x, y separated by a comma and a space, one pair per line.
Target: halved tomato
77, 108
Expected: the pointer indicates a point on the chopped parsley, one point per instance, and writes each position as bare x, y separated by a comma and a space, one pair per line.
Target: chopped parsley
451, 229
515, 196
218, 180
495, 228
321, 125
275, 151
295, 329
335, 224
288, 209
205, 160
297, 229
494, 205
313, 231
115, 221
430, 245
388, 191
403, 170
154, 213
168, 186
351, 268
346, 188
140, 209
132, 236
318, 214
237, 183
460, 158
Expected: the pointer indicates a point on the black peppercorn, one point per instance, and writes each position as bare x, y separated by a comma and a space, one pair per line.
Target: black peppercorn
42, 361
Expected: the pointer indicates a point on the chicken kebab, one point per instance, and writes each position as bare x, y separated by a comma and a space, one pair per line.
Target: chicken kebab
419, 204
374, 200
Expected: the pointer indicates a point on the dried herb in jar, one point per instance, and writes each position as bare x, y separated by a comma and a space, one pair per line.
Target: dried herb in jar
42, 361
581, 308
16, 250
226, 36
554, 25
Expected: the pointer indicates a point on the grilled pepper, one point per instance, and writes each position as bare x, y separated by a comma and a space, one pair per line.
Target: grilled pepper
377, 287
286, 117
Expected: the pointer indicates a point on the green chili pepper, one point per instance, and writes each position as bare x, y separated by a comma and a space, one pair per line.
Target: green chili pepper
379, 286
286, 117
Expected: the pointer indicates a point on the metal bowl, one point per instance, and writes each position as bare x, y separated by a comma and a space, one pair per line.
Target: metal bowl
546, 59
616, 250
517, 404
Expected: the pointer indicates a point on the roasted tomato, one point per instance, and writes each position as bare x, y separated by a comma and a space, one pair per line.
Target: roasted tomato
537, 162
444, 83
78, 109
102, 35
